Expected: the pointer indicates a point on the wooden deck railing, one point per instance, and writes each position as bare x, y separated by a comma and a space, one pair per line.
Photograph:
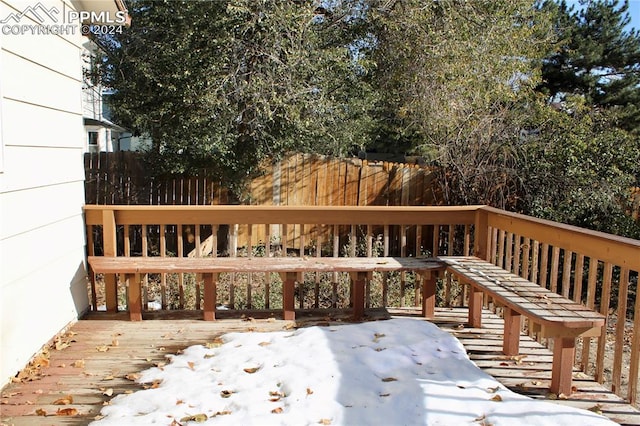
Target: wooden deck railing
597, 269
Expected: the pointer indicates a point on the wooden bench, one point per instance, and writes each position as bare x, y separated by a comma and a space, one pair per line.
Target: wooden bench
549, 314
290, 269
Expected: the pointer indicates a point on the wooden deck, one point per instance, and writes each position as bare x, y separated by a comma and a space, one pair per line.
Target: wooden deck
104, 349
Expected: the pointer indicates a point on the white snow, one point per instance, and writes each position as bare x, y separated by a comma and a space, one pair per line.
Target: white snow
394, 372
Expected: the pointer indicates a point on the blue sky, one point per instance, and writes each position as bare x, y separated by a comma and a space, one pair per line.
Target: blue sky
634, 11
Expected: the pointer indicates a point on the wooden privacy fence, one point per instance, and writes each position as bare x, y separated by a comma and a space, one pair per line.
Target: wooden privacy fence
300, 179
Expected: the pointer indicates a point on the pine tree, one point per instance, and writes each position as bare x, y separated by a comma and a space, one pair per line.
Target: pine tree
596, 58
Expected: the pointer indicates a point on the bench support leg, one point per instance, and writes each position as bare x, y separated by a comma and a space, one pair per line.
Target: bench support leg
358, 280
475, 308
134, 296
428, 294
562, 370
111, 292
512, 324
210, 284
288, 302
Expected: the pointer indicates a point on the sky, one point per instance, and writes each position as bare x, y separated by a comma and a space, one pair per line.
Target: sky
395, 372
634, 11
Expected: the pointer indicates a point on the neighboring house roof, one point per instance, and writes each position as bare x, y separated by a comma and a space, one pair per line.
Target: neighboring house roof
103, 123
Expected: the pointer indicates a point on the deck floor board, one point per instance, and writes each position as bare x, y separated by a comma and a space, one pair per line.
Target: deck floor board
86, 371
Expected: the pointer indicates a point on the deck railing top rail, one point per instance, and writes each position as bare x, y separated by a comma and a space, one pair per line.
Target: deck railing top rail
621, 251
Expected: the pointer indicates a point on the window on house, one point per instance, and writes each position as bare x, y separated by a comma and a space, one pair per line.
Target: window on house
92, 142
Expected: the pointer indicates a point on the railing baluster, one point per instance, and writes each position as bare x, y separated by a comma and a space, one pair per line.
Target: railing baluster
249, 275
618, 353
566, 273
544, 265
526, 253
591, 300
555, 260
605, 299
634, 362
198, 254
508, 247
336, 253
579, 277
163, 276
180, 253
517, 250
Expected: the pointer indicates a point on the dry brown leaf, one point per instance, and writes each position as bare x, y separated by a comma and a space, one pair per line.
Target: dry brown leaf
108, 392
65, 400
102, 348
277, 410
78, 363
377, 337
132, 376
251, 370
493, 390
221, 413
191, 365
67, 412
389, 379
198, 418
496, 398
596, 409
264, 343
109, 377
41, 412
325, 422
309, 391
226, 393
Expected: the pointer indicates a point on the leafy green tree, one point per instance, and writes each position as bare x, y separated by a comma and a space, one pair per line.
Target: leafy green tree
579, 169
223, 85
455, 77
597, 58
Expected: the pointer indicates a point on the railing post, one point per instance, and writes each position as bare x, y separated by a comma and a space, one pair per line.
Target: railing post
481, 234
109, 243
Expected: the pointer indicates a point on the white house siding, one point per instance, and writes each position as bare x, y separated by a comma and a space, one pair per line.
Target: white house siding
42, 243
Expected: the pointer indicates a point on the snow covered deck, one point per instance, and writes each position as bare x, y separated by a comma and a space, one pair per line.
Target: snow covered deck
101, 356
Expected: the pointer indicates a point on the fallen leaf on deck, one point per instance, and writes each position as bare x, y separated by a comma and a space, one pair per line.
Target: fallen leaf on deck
596, 409
251, 370
191, 365
221, 413
109, 377
226, 393
493, 390
324, 422
108, 392
277, 410
389, 379
66, 400
102, 348
216, 343
41, 412
309, 391
132, 376
67, 412
207, 356
264, 343
198, 418
78, 363
496, 398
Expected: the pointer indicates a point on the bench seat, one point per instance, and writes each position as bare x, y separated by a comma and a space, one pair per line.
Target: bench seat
549, 314
289, 268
